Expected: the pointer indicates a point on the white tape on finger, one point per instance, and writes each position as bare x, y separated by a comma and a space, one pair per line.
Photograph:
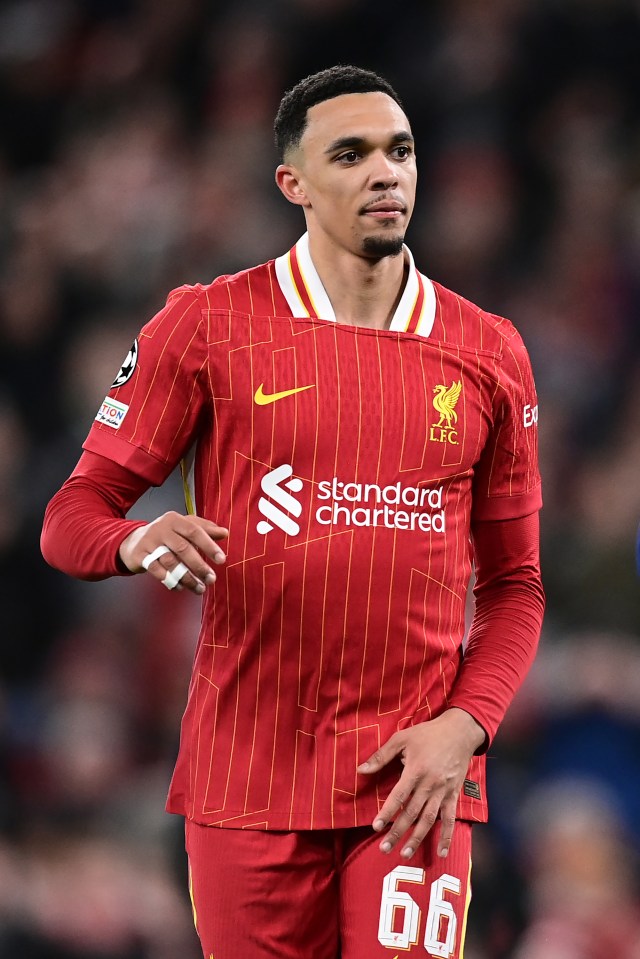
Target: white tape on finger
174, 576
154, 555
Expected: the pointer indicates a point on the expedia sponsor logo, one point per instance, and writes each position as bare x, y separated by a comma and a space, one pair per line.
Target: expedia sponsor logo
344, 505
530, 416
444, 402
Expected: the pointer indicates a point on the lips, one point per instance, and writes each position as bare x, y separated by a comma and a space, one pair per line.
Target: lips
384, 206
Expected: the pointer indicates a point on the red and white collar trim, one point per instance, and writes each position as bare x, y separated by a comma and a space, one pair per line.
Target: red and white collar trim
307, 297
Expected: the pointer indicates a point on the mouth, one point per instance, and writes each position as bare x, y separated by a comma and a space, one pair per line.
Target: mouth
384, 210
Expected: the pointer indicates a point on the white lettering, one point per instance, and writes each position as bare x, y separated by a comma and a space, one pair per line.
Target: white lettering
411, 495
435, 498
369, 488
391, 494
401, 519
324, 490
349, 504
324, 510
530, 415
437, 522
361, 512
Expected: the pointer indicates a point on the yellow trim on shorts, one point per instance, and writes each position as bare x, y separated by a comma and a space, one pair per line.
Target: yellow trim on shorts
193, 904
463, 933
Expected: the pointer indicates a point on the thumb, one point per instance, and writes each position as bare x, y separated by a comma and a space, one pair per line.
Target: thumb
382, 756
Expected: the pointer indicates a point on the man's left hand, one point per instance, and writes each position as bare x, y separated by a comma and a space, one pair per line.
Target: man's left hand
436, 755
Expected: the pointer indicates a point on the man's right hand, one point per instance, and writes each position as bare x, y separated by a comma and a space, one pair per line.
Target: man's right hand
185, 538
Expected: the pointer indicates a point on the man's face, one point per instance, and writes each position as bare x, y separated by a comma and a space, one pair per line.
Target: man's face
357, 172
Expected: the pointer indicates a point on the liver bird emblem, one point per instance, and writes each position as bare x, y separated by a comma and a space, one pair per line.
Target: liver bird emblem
445, 402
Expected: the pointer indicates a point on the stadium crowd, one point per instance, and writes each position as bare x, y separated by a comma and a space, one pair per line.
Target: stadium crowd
135, 155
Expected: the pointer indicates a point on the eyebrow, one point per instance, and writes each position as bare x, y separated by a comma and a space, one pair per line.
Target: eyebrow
351, 142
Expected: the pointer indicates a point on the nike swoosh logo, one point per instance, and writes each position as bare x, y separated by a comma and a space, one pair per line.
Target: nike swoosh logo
263, 399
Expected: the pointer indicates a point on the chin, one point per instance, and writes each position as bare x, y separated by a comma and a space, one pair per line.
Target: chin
379, 246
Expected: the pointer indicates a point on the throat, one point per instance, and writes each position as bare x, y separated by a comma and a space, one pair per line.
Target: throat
372, 302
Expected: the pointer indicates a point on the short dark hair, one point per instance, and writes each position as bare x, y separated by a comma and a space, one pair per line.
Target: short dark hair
291, 118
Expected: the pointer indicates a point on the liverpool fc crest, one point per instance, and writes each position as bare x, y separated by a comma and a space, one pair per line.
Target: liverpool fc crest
444, 402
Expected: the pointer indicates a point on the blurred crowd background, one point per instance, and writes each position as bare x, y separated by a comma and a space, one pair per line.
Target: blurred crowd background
135, 155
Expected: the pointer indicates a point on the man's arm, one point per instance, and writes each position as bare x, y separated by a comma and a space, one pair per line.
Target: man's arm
86, 533
502, 644
506, 626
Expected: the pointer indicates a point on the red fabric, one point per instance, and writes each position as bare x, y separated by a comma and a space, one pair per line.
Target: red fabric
508, 617
321, 893
339, 616
509, 596
84, 523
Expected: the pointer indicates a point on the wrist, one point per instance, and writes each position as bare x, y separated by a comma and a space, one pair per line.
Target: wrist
124, 555
470, 728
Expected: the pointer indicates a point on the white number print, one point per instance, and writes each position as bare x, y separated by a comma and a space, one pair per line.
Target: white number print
441, 923
440, 915
394, 899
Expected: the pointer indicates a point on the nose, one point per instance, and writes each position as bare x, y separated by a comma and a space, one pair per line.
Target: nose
383, 173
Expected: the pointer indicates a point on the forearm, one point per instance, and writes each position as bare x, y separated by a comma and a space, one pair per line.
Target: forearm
85, 521
508, 618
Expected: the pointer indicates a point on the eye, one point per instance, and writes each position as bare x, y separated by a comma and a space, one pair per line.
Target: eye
402, 151
349, 157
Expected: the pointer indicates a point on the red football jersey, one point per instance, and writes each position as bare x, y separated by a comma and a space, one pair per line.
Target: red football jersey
347, 463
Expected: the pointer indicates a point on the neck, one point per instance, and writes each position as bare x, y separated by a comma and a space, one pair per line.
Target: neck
363, 292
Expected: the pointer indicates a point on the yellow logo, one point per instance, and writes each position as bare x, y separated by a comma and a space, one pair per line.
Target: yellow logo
263, 399
444, 402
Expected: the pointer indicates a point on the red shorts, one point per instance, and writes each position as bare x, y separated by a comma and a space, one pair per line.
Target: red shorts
325, 894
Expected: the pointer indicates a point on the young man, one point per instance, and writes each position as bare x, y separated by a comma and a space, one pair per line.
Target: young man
362, 434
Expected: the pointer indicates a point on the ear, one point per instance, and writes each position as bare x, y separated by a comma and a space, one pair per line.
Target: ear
289, 180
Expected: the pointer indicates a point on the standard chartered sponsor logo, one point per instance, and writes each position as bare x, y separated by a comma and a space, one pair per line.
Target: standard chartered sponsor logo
369, 504
279, 500
337, 503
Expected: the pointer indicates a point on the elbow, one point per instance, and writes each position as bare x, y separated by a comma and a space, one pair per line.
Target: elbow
49, 540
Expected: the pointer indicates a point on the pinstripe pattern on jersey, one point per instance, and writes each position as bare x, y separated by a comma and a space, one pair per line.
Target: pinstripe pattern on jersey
315, 647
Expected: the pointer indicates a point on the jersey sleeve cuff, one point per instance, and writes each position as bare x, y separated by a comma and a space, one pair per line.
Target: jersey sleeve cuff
470, 707
133, 458
508, 507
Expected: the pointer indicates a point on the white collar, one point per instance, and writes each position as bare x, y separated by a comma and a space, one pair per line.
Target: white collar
307, 297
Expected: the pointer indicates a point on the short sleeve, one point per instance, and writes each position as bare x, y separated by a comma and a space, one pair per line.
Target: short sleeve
150, 416
507, 479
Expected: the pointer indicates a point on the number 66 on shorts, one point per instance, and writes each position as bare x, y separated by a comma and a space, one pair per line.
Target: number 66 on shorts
400, 915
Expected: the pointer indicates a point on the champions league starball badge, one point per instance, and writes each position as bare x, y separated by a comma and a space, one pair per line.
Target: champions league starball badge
126, 370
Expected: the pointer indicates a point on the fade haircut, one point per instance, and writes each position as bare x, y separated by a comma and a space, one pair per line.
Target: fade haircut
291, 119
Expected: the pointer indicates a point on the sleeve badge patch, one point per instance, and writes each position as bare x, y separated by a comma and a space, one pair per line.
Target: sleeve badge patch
111, 413
126, 370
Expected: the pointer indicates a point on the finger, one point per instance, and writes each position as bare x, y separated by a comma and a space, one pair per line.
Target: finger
416, 812
175, 575
423, 827
382, 756
204, 535
399, 797
184, 552
200, 533
173, 528
448, 817
153, 556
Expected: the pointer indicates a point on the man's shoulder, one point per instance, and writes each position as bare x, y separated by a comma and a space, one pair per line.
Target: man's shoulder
465, 324
242, 291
